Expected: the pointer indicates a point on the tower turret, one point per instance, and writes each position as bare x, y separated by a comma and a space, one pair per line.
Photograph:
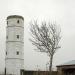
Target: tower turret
14, 60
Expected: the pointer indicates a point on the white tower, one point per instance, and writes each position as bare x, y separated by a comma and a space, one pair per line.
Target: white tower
14, 60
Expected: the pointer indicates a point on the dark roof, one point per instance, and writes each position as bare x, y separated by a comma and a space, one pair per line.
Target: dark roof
70, 63
15, 16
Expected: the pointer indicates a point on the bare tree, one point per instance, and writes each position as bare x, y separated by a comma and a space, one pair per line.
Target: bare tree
46, 38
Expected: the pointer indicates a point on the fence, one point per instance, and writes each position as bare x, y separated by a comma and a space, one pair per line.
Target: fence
39, 73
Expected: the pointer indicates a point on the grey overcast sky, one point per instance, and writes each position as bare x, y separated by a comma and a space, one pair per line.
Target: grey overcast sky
60, 11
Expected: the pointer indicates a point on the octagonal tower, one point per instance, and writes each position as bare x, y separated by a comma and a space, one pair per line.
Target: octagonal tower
14, 60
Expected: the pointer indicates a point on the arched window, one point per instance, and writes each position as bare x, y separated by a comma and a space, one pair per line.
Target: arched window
6, 37
7, 22
6, 53
18, 21
18, 36
17, 52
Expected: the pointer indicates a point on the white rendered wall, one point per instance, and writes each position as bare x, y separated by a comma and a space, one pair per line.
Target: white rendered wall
13, 62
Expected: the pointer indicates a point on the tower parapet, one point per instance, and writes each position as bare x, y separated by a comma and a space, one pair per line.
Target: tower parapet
15, 16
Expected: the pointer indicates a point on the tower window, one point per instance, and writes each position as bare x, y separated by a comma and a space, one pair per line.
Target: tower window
18, 21
6, 53
17, 52
7, 37
18, 36
7, 22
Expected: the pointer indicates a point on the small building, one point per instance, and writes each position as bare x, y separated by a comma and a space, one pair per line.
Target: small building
66, 68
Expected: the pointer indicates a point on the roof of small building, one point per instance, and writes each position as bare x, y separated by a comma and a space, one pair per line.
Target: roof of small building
70, 63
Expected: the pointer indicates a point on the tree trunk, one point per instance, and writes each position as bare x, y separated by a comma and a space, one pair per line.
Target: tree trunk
50, 67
